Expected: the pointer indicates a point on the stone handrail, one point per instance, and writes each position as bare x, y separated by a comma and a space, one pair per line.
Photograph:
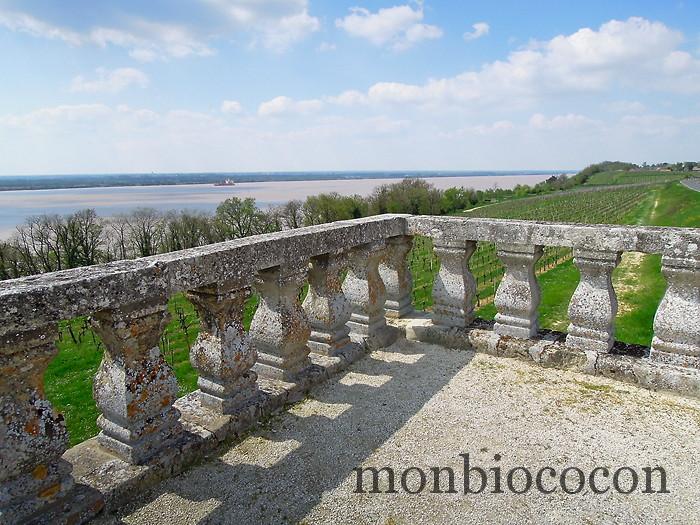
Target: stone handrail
146, 433
593, 306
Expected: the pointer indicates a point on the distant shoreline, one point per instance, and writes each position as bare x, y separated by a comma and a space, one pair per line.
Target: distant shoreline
116, 180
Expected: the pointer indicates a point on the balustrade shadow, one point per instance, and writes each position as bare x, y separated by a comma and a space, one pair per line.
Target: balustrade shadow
319, 451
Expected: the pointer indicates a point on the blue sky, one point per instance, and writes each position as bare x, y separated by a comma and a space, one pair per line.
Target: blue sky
238, 85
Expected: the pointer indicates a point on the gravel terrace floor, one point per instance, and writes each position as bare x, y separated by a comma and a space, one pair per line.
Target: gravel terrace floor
422, 405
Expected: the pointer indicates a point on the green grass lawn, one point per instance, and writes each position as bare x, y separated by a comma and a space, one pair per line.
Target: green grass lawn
638, 281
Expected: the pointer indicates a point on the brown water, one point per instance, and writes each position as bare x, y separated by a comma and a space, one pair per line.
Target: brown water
16, 206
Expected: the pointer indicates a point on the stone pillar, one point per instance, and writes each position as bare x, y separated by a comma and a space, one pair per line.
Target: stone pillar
135, 387
280, 329
32, 436
593, 306
518, 295
326, 307
364, 288
396, 275
222, 353
454, 289
676, 326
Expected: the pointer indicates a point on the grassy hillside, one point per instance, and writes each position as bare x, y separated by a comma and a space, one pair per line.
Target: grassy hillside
633, 177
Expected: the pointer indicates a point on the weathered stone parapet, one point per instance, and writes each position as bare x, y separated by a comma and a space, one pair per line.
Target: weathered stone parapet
280, 329
454, 289
518, 295
674, 242
135, 387
396, 275
326, 306
364, 288
677, 322
33, 476
222, 353
39, 300
593, 306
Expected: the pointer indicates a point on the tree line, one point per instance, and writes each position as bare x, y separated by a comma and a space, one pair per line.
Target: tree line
47, 243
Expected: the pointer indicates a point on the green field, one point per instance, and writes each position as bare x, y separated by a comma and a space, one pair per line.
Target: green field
634, 177
637, 280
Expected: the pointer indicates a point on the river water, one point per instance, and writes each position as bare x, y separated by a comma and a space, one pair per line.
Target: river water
16, 206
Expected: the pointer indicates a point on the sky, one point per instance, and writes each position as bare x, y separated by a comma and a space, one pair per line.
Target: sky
90, 86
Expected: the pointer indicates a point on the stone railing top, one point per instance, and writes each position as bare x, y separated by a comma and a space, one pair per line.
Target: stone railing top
683, 243
33, 302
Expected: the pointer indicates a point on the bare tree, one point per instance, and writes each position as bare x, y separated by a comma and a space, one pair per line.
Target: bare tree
117, 239
145, 228
88, 229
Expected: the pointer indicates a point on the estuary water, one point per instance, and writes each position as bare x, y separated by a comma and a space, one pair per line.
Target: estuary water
16, 206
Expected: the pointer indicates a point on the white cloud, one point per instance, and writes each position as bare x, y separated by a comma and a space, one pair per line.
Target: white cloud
97, 138
147, 41
399, 27
276, 24
24, 23
634, 53
326, 46
559, 122
280, 106
479, 29
231, 106
110, 81
626, 106
348, 98
57, 115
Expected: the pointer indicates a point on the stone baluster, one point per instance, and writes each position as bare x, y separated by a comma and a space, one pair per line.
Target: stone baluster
518, 295
364, 288
280, 329
135, 387
676, 328
222, 353
396, 275
593, 306
32, 437
454, 289
326, 306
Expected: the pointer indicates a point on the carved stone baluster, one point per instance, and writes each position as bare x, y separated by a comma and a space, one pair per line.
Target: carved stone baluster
518, 295
396, 275
326, 307
222, 353
364, 288
135, 387
280, 329
32, 436
454, 289
593, 306
676, 327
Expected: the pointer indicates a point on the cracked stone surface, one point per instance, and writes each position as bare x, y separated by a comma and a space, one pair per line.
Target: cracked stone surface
415, 404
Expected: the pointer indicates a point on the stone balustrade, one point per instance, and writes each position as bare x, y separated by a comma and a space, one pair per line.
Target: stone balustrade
358, 298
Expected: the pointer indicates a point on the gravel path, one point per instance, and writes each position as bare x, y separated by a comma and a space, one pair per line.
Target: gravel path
422, 405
